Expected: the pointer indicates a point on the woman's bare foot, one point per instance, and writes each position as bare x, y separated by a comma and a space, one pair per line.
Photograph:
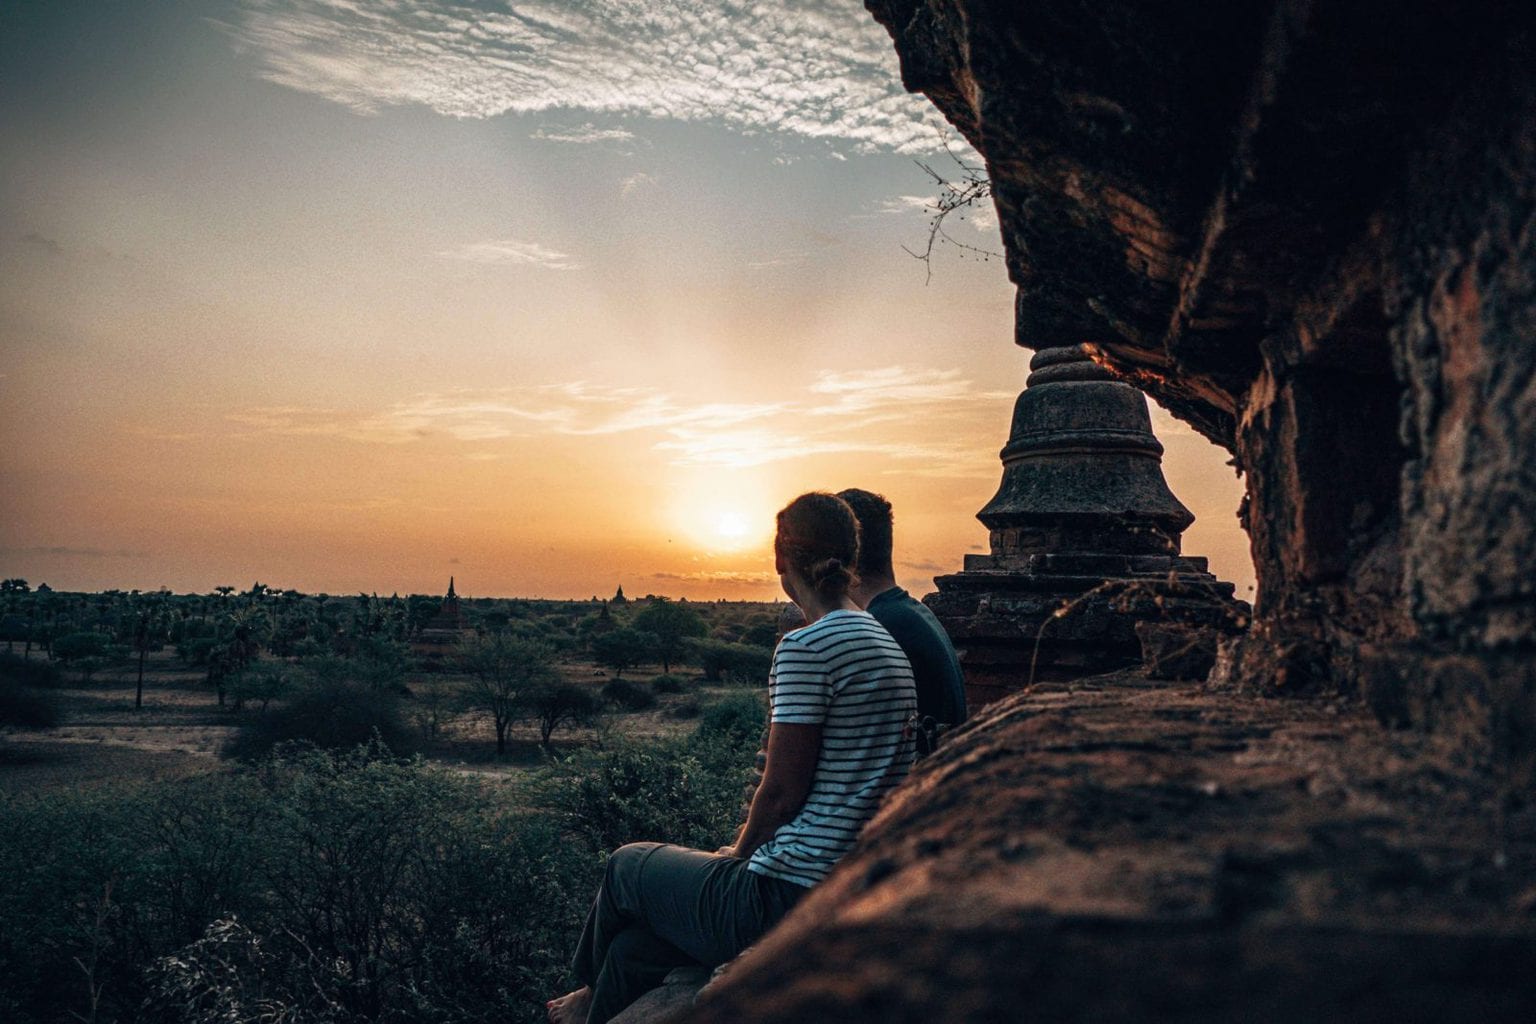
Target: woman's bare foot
571, 1008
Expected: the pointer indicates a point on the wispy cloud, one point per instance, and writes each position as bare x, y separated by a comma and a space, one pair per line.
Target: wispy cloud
41, 244
741, 449
813, 68
981, 216
719, 576
838, 413
511, 251
895, 389
585, 134
74, 552
789, 259
638, 180
906, 204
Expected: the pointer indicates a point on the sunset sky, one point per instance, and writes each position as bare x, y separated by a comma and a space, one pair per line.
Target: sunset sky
349, 296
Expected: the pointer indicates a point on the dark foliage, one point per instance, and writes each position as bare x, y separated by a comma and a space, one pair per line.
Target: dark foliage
667, 684
556, 702
328, 715
739, 719
336, 888
25, 700
736, 663
330, 888
627, 695
19, 671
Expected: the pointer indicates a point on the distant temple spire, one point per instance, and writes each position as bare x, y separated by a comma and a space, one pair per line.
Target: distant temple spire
444, 630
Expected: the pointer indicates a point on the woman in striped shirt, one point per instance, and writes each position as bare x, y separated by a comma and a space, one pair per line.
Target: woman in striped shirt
842, 693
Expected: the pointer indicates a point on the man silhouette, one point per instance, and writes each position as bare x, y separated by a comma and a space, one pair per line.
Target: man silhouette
940, 684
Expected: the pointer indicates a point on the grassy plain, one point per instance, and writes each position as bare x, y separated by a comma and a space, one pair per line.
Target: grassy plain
181, 730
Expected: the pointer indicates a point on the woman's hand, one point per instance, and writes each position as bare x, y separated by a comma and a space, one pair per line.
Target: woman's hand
726, 851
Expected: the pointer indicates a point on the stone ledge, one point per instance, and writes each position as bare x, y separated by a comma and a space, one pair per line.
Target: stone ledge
1110, 849
668, 1002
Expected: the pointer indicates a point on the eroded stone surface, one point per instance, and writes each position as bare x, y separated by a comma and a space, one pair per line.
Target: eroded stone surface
1307, 230
1115, 849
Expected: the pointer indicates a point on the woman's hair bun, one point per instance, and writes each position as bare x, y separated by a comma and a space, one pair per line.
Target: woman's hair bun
830, 574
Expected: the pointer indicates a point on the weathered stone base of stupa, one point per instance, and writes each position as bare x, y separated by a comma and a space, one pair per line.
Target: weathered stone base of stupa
1063, 616
1109, 849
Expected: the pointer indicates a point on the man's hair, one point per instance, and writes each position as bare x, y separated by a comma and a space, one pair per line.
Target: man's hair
874, 515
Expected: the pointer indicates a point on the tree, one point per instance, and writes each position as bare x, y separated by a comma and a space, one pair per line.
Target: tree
505, 670
14, 627
720, 660
261, 681
379, 664
150, 627
623, 648
673, 625
72, 647
555, 702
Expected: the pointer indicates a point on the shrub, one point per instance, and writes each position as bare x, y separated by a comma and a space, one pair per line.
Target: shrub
733, 662
261, 682
667, 684
74, 647
627, 695
328, 715
34, 672
667, 792
27, 707
740, 718
690, 708
761, 631
321, 888
24, 698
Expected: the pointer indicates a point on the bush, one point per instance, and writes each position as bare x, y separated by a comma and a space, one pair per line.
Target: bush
740, 718
330, 716
33, 672
667, 684
326, 888
627, 695
78, 646
730, 662
690, 708
670, 793
261, 682
24, 698
761, 631
27, 707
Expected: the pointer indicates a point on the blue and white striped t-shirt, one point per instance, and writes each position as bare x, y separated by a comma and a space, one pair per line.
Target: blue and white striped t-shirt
844, 673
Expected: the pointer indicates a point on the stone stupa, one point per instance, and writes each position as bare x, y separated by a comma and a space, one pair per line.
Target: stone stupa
1084, 538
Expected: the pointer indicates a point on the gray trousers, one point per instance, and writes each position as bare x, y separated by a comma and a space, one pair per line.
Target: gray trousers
663, 906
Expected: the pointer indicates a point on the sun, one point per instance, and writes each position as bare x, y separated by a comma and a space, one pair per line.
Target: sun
719, 514
731, 526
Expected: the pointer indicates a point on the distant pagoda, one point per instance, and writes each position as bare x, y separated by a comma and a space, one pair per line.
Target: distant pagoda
443, 632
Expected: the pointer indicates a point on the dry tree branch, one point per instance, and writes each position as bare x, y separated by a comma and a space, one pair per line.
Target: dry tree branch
972, 186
